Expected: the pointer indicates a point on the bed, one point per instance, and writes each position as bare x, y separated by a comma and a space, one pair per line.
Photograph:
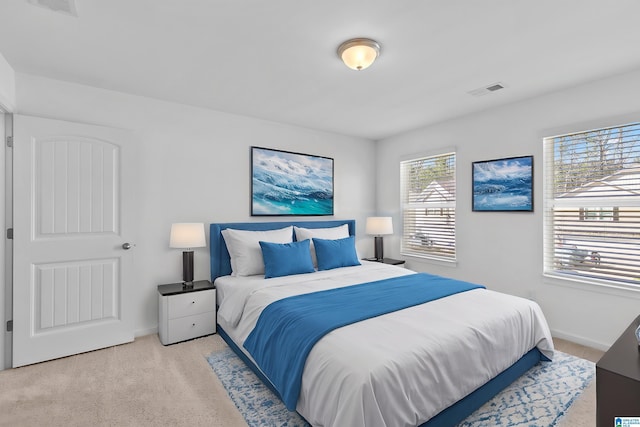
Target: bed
429, 364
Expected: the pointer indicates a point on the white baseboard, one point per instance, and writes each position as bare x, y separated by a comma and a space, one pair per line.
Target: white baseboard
143, 332
580, 340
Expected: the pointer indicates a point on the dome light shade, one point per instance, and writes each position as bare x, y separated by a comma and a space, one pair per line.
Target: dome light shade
359, 54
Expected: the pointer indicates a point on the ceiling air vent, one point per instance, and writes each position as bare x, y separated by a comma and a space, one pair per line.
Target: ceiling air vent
67, 7
487, 89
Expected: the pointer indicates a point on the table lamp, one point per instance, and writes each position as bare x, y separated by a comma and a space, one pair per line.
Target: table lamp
379, 226
187, 235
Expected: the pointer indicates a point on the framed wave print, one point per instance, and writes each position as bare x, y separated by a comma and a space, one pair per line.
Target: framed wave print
503, 185
288, 183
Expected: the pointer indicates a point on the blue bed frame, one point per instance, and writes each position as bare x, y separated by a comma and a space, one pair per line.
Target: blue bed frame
221, 266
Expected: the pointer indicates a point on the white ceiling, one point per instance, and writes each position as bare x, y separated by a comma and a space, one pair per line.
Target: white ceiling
276, 59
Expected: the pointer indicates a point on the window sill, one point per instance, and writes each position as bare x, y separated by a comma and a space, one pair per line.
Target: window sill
601, 287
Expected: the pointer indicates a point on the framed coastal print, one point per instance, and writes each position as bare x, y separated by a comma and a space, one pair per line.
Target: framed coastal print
288, 183
503, 185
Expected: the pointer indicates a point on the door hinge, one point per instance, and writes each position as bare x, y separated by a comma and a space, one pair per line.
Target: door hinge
10, 233
9, 325
9, 141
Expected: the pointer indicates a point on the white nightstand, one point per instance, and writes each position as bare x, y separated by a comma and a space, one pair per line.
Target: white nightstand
186, 313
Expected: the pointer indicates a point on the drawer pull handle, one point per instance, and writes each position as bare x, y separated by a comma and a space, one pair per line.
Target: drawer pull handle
193, 302
193, 324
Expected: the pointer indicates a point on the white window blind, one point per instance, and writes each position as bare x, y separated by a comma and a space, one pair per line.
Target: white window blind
592, 205
428, 191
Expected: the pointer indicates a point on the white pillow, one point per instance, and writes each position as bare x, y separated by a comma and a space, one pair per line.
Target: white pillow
244, 248
332, 233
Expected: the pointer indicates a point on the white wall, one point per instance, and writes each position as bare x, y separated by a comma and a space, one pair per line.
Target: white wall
194, 167
504, 250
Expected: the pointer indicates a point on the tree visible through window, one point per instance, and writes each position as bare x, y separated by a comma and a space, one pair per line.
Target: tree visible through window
592, 204
428, 188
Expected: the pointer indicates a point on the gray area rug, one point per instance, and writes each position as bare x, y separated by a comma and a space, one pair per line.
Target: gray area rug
540, 397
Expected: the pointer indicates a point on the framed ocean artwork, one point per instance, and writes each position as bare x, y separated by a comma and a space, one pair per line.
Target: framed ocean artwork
288, 183
503, 185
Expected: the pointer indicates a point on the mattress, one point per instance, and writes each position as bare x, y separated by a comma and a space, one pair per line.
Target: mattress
401, 368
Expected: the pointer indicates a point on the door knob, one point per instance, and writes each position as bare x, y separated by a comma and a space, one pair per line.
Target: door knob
127, 246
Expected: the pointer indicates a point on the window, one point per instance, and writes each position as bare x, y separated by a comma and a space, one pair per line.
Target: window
592, 205
599, 214
428, 188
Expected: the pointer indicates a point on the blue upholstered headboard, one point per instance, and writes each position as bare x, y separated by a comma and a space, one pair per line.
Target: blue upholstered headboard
220, 261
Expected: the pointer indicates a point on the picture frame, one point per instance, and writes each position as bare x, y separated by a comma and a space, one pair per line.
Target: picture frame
503, 185
286, 183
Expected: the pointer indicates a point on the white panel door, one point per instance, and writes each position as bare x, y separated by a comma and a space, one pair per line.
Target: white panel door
73, 212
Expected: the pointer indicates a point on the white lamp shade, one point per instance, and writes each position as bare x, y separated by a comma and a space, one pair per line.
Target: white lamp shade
379, 225
187, 235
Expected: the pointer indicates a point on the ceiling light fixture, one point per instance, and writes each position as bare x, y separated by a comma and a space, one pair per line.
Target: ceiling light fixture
359, 54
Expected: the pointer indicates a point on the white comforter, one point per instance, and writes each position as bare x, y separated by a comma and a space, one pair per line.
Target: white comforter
402, 368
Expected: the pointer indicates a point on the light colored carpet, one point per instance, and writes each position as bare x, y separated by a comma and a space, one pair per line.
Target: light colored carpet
147, 384
138, 384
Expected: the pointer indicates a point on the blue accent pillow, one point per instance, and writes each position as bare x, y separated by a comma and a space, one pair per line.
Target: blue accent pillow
284, 259
336, 253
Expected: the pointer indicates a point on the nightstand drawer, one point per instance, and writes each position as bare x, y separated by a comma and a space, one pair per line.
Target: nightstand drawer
186, 328
191, 303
